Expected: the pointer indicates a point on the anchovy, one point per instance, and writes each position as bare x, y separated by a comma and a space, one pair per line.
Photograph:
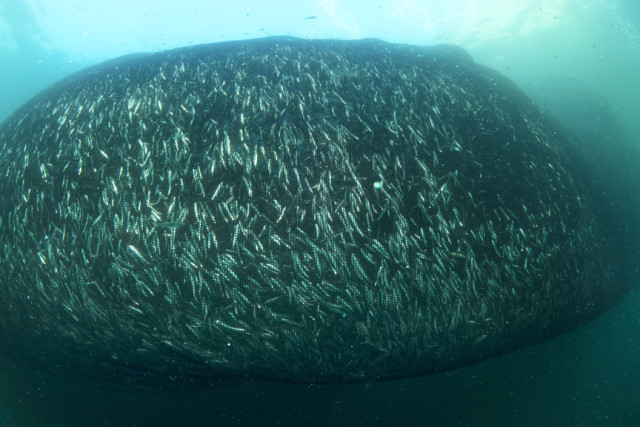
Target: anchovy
290, 210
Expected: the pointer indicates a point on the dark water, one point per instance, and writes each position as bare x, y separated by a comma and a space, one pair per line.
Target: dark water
588, 377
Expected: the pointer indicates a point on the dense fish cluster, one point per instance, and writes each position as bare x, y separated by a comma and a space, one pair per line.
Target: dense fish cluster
290, 210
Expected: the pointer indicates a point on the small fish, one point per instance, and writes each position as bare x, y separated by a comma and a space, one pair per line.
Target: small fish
169, 224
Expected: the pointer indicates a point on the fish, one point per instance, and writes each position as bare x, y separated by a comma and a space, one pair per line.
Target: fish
282, 209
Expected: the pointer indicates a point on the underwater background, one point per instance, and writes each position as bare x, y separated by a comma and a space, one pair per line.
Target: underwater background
578, 60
